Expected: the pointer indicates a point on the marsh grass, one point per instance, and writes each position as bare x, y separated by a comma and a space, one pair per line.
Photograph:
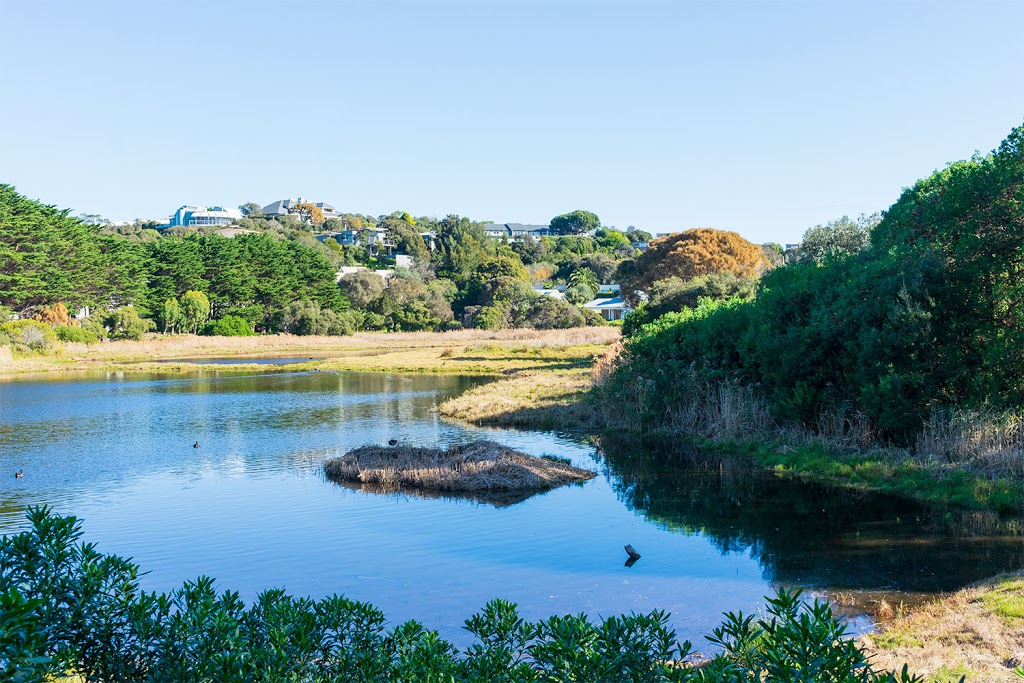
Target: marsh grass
477, 467
988, 439
965, 458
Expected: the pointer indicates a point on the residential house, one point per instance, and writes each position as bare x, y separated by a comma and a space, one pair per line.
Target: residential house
610, 307
198, 215
515, 232
376, 240
286, 207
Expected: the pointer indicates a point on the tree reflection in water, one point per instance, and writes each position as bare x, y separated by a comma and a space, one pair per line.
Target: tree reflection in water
805, 534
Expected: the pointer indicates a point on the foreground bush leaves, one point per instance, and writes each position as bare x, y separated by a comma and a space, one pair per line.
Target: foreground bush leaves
65, 608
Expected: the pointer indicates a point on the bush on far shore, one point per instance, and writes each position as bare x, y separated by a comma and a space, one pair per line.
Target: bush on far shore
67, 333
229, 326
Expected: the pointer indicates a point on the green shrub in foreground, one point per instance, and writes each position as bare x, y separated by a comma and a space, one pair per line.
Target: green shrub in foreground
65, 608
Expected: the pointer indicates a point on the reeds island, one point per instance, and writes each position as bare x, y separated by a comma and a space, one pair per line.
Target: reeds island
474, 468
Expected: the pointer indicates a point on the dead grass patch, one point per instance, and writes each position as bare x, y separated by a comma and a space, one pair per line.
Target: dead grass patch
462, 351
476, 468
551, 399
977, 632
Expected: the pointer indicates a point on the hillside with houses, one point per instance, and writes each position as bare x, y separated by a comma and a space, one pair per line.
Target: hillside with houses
304, 267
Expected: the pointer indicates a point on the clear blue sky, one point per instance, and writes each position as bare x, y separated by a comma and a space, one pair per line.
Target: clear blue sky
759, 117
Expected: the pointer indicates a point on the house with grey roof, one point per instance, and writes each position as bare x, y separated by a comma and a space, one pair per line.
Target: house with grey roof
610, 307
515, 232
286, 207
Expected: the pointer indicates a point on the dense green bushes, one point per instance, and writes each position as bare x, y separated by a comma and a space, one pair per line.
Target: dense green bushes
65, 608
674, 294
930, 316
67, 333
229, 326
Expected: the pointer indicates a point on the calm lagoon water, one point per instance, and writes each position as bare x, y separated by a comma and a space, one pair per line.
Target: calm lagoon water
251, 507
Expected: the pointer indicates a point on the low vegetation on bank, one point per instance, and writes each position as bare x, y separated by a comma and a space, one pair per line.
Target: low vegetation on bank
976, 634
477, 469
66, 609
541, 399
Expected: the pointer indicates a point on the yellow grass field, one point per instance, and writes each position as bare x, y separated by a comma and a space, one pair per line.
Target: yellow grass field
461, 352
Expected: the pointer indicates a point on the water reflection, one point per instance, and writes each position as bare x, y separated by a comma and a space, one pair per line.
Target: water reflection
810, 535
251, 506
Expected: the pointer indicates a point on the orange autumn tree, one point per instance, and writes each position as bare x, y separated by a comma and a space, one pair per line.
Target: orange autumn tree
690, 254
309, 212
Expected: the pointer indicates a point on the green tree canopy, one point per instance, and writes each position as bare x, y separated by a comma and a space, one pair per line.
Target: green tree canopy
251, 210
575, 223
195, 310
47, 256
837, 238
361, 287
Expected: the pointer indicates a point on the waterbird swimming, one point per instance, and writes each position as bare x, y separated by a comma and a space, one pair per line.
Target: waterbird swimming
392, 442
195, 445
19, 474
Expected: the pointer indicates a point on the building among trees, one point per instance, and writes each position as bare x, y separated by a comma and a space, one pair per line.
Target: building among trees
514, 232
289, 207
198, 215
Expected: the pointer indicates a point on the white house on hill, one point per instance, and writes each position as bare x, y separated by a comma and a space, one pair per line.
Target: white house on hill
610, 307
199, 215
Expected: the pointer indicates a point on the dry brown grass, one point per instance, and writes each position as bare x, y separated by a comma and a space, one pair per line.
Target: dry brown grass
169, 346
469, 351
977, 632
984, 439
476, 468
552, 399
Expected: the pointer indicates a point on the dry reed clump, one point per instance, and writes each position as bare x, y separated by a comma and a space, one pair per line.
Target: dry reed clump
605, 364
714, 410
988, 439
6, 356
480, 466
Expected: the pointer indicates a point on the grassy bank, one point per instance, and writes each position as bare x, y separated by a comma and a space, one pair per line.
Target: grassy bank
977, 633
545, 399
730, 419
892, 471
462, 352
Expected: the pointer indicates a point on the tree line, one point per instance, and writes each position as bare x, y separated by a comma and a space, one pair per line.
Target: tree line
889, 320
277, 276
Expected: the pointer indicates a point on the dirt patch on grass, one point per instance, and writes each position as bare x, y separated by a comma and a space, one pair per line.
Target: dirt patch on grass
482, 470
977, 633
